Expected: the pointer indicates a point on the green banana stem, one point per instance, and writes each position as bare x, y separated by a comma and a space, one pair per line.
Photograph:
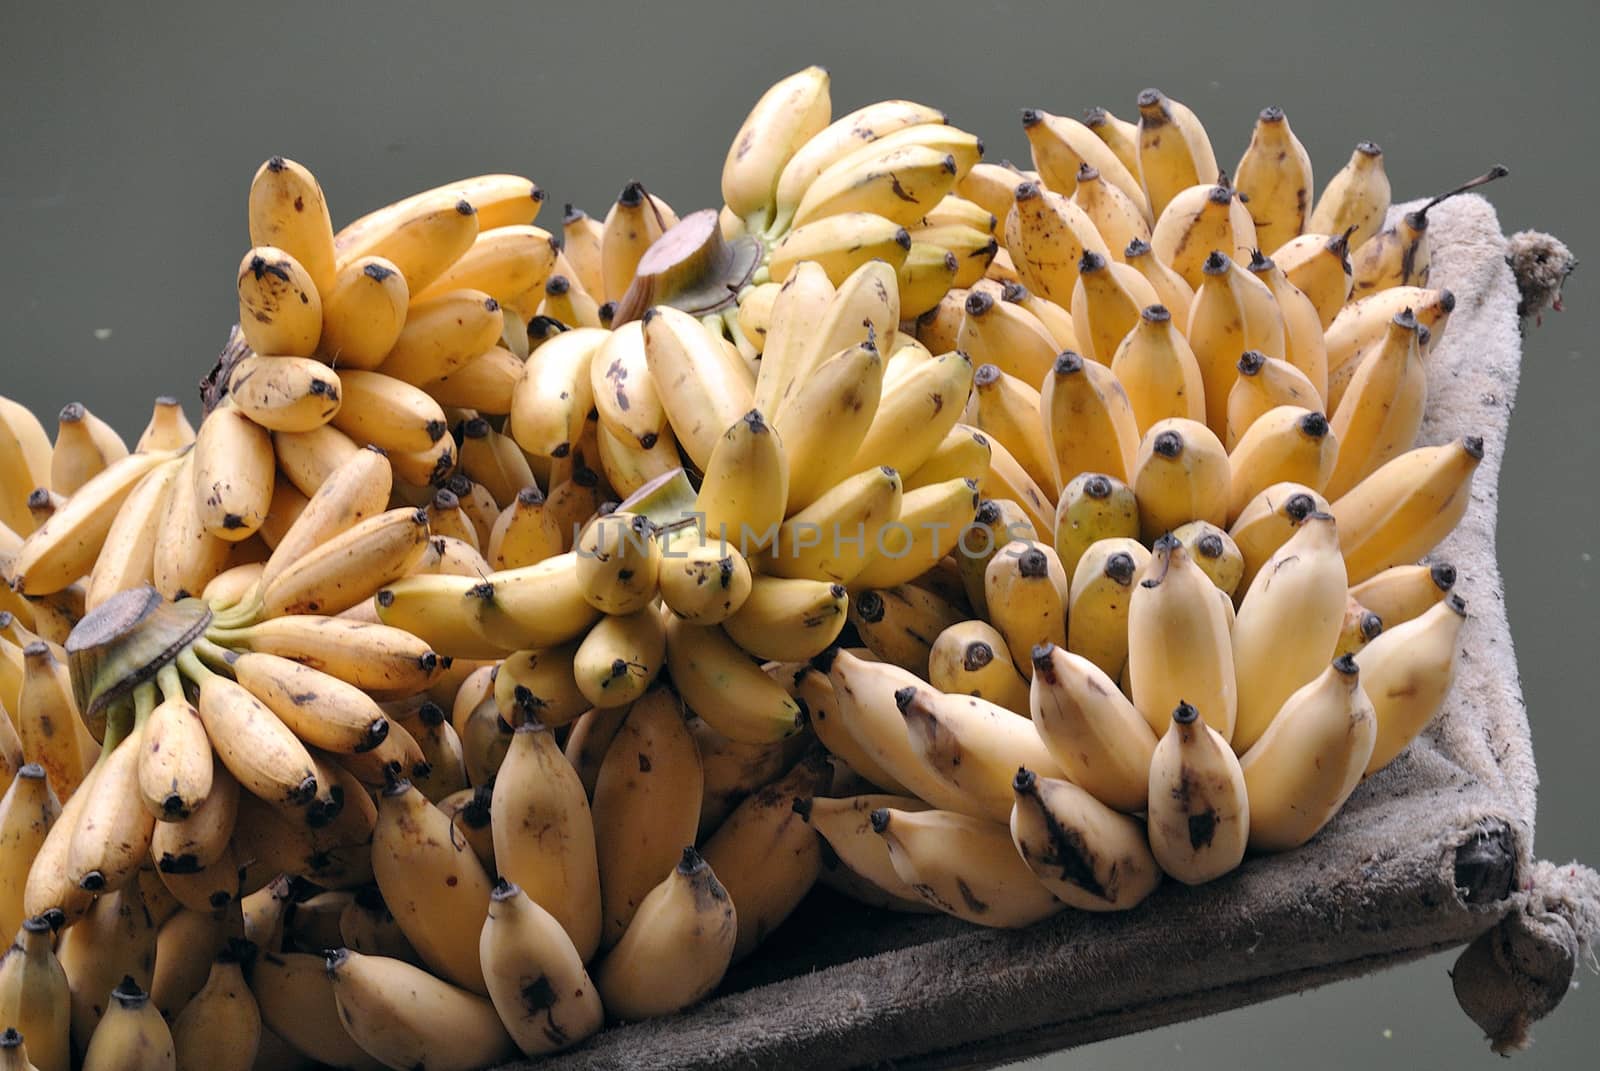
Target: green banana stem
215, 656
242, 613
190, 666
170, 682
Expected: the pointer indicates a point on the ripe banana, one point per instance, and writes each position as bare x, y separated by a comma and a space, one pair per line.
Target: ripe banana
1088, 855
1088, 419
543, 995
1099, 739
132, 1037
788, 115
1400, 512
1026, 592
280, 309
1199, 814
1098, 600
285, 393
1275, 175
1105, 304
1263, 384
1404, 592
1356, 199
971, 658
1174, 151
405, 1017
1407, 672
1182, 474
973, 746
1047, 235
964, 866
1285, 444
1179, 644
34, 998
288, 211
1158, 370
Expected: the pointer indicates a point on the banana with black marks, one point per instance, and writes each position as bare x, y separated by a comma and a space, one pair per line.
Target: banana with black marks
1199, 812
1401, 512
280, 308
536, 978
1098, 601
1088, 855
964, 866
1356, 199
1403, 592
406, 1017
971, 658
973, 746
1092, 731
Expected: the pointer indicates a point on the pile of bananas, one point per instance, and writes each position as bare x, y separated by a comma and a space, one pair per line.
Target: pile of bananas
534, 619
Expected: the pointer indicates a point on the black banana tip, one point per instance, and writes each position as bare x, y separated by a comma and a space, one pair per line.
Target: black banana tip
1032, 564
1447, 300
128, 994
1299, 507
1271, 114
870, 607
802, 807
976, 655
1155, 314
1136, 248
1090, 262
1314, 425
1168, 444
1026, 782
691, 861
1443, 576
978, 302
1098, 486
1371, 625
1473, 445
987, 375
1185, 714
1031, 117
503, 890
1068, 363
903, 697
10, 1038
1216, 263
37, 924
1209, 545
880, 820
1345, 666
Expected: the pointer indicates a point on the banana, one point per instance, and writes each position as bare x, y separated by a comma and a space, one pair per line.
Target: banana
280, 309
442, 753
997, 523
432, 882
1097, 603
992, 187
288, 211
323, 711
132, 1037
308, 458
85, 445
1062, 147
1274, 174
494, 461
1089, 420
632, 224
1357, 197
1400, 255
34, 998
1305, 348
1008, 336
444, 515
485, 383
1310, 759
544, 837
721, 684
202, 838
234, 471
1404, 592
406, 1017
250, 740
435, 608
28, 811
221, 1026
1400, 512
65, 547
765, 854
702, 387
677, 947
295, 997
387, 412
43, 503
839, 244
285, 393
647, 800
627, 466
1171, 288
746, 486
969, 658
1174, 151
1119, 135
539, 605
973, 746
835, 537
1263, 384
1182, 474
442, 334
1300, 593
1407, 672
1158, 370
351, 567
188, 941
788, 115
1007, 409
618, 563
621, 657
623, 389
25, 462
1215, 552
1363, 326
929, 270
1318, 265
1086, 854
900, 624
826, 420
503, 262
540, 686
127, 557
422, 235
867, 875
1285, 444
965, 453
734, 771
931, 520
1179, 647
1100, 740
788, 619
553, 398
364, 313
48, 723
1105, 304
1359, 628
1093, 506
1217, 334
1380, 412
704, 583
580, 244
1046, 235
1026, 590
382, 660
117, 939
899, 176
964, 866
536, 979
112, 836
803, 303
1199, 814
1268, 522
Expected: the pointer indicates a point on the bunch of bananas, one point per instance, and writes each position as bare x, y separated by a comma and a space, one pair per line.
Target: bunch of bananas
529, 610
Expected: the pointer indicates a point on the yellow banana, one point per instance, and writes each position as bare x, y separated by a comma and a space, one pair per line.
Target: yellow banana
386, 412
1105, 304
1310, 759
1318, 265
826, 420
899, 176
644, 810
1380, 412
295, 996
618, 563
539, 605
285, 393
1359, 627
765, 854
1093, 506
1263, 384
127, 557
203, 837
288, 210
973, 746
964, 866
1217, 334
257, 748
900, 624
280, 309
132, 1037
1182, 474
867, 874
721, 684
1356, 197
929, 270
221, 1026
1403, 592
364, 313
930, 521
65, 547
1363, 326
788, 619
1088, 419
1100, 740
1268, 521
1117, 216
307, 458
788, 115
48, 722
702, 388
540, 791
351, 567
834, 538
1407, 672
25, 462
234, 471
971, 658
632, 224
840, 244
422, 235
1287, 625
28, 810
677, 947
1286, 444
965, 453
1119, 135
704, 583
1046, 235
112, 837
1199, 813
1305, 348
503, 262
1171, 288
1179, 647
1275, 175
443, 333
34, 998
1215, 552
1008, 336
1026, 591
623, 389
620, 657
1088, 855
743, 496
485, 383
1062, 146
554, 396
385, 661
1174, 151
85, 445
1097, 605
536, 977
1158, 370
1400, 512
406, 1017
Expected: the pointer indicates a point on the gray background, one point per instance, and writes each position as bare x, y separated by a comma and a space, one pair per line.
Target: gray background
129, 140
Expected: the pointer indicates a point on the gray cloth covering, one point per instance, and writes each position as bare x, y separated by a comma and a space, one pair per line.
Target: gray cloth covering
1433, 852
